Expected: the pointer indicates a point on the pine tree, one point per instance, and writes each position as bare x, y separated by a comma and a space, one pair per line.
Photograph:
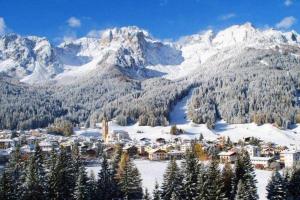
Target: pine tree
64, 178
104, 184
276, 187
286, 175
214, 182
114, 171
174, 196
81, 186
227, 178
241, 193
156, 192
294, 184
15, 170
201, 137
51, 175
34, 185
130, 181
5, 187
190, 173
244, 171
172, 181
75, 165
146, 195
249, 177
202, 183
92, 187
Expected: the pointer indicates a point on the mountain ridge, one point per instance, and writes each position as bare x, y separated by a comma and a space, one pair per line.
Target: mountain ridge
35, 60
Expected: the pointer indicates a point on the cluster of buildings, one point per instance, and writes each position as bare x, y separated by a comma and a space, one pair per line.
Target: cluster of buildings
263, 155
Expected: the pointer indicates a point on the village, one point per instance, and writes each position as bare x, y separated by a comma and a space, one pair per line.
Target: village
264, 155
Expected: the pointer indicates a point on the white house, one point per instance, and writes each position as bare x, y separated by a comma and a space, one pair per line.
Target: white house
290, 158
45, 146
253, 151
227, 157
175, 154
118, 135
261, 161
157, 154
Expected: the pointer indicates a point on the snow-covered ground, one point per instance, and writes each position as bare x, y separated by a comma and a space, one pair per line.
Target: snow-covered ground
152, 171
266, 132
178, 115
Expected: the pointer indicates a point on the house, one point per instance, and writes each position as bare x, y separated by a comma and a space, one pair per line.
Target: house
6, 143
185, 147
160, 141
261, 162
31, 140
228, 157
4, 156
157, 154
253, 151
175, 154
118, 135
142, 151
290, 158
45, 146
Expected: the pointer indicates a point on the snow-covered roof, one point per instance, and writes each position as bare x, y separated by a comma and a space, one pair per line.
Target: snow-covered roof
260, 158
6, 140
228, 153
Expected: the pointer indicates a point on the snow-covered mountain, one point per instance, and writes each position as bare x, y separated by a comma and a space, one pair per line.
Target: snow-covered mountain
241, 74
30, 59
207, 48
35, 60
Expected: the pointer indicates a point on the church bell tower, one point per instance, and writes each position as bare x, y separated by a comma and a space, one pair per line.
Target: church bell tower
105, 130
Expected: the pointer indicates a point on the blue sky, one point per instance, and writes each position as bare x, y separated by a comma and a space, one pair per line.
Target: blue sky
164, 19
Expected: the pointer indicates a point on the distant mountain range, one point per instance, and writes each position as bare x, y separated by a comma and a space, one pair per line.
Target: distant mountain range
240, 74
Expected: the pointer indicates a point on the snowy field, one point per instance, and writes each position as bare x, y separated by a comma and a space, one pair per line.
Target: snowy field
152, 171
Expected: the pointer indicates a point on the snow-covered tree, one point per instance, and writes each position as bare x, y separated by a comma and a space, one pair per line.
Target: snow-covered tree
190, 169
5, 187
276, 187
34, 186
214, 183
104, 183
294, 183
227, 178
156, 192
130, 181
172, 181
81, 186
146, 195
244, 171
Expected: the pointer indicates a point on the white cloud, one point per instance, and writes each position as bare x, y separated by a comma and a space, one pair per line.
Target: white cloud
95, 33
2, 26
227, 16
74, 22
286, 22
288, 2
